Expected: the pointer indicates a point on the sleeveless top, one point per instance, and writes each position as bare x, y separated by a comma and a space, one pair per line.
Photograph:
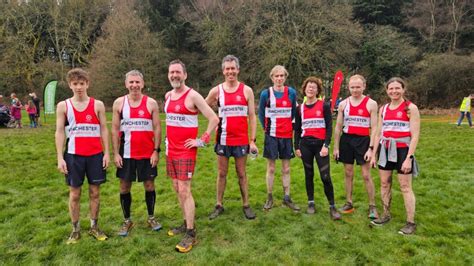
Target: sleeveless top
181, 124
136, 130
82, 130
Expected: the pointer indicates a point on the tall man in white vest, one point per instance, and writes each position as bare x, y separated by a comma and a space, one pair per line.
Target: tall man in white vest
182, 107
236, 105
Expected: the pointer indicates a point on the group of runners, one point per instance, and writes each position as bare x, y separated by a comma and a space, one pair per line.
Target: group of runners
82, 143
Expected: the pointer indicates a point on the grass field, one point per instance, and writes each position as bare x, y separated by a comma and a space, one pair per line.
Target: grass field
34, 222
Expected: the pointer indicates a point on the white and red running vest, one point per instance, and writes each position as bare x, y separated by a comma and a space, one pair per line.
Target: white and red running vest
136, 131
312, 121
233, 114
278, 115
181, 124
357, 118
82, 130
396, 123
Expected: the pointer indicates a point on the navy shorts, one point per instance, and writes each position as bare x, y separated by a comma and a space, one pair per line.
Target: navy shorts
401, 157
353, 147
275, 148
231, 151
80, 166
136, 170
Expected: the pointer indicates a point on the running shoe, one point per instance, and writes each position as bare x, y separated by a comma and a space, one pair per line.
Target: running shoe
186, 244
177, 230
126, 228
249, 214
334, 214
347, 208
73, 238
311, 209
153, 224
97, 233
218, 210
381, 221
373, 212
268, 204
289, 203
408, 229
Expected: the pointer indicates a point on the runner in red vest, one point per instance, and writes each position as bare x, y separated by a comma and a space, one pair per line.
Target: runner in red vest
276, 112
357, 119
81, 122
136, 138
236, 111
181, 108
313, 130
397, 136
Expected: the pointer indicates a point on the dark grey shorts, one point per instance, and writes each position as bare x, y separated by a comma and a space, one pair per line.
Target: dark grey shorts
231, 151
79, 167
278, 148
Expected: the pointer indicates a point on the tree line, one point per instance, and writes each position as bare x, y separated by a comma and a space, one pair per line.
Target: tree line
428, 42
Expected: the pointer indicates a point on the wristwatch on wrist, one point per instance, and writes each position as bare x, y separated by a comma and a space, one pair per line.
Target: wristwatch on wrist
371, 147
158, 149
326, 145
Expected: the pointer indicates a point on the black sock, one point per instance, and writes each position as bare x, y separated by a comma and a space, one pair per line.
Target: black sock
191, 232
150, 197
126, 202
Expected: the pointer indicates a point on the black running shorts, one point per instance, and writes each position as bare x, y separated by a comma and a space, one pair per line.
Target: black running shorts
80, 166
353, 147
275, 148
401, 157
231, 151
136, 170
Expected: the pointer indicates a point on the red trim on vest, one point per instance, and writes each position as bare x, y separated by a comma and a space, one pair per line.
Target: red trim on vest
313, 120
179, 132
354, 112
284, 127
397, 130
233, 130
84, 121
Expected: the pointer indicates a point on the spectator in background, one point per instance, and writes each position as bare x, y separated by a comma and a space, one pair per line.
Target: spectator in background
465, 109
3, 107
31, 110
15, 110
36, 101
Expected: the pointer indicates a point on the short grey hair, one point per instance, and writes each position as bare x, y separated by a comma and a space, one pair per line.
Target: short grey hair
134, 73
230, 58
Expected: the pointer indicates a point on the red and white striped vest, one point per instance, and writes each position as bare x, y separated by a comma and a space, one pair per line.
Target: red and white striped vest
278, 115
181, 124
312, 121
233, 114
396, 123
136, 130
357, 118
83, 130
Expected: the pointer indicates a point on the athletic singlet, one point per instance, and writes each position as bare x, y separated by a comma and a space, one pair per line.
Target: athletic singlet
82, 130
312, 121
181, 124
396, 123
233, 114
278, 115
357, 118
136, 131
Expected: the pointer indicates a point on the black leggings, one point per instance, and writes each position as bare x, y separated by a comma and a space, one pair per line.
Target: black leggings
310, 149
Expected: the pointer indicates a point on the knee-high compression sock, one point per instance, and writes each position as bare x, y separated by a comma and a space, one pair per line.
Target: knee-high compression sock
126, 202
150, 197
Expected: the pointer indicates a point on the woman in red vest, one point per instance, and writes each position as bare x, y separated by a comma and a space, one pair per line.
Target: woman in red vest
313, 130
397, 136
